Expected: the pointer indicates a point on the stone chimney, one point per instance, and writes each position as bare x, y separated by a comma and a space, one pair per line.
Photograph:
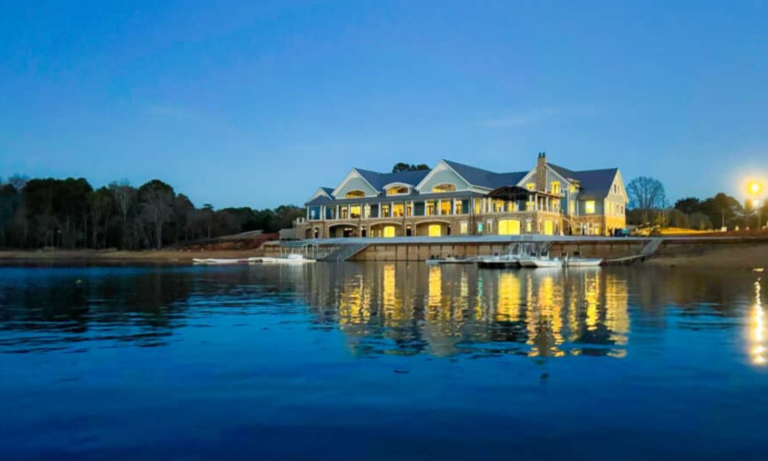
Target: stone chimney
541, 172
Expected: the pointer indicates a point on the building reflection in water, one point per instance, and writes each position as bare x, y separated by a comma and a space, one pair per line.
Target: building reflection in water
757, 329
413, 308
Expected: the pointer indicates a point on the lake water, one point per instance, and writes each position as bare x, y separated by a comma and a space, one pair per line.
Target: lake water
381, 361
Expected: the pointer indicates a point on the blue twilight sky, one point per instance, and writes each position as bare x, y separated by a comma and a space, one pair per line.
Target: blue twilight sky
259, 102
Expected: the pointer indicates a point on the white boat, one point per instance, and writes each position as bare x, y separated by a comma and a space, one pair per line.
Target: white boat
546, 262
219, 261
583, 262
290, 259
450, 260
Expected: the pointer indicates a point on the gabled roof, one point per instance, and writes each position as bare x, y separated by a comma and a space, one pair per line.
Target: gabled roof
484, 178
596, 183
379, 180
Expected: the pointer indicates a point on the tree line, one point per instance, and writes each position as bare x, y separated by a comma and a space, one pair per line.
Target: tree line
648, 206
71, 214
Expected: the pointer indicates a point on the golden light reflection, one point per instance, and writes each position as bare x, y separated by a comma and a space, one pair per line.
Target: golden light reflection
508, 308
758, 349
442, 310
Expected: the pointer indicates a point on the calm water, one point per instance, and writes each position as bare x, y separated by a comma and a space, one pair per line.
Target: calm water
381, 361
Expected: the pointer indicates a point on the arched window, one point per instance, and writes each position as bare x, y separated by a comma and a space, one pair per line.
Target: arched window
446, 187
355, 194
397, 190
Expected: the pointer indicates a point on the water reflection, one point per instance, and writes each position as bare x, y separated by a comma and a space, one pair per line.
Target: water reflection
413, 308
384, 308
758, 329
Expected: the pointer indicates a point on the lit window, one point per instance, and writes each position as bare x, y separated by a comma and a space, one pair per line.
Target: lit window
478, 206
355, 194
385, 210
589, 207
397, 190
367, 211
444, 188
354, 211
498, 206
445, 207
431, 206
529, 206
398, 209
531, 186
574, 188
435, 230
555, 186
528, 226
464, 227
389, 231
344, 212
409, 209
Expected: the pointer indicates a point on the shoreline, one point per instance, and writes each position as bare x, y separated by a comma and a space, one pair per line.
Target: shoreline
744, 256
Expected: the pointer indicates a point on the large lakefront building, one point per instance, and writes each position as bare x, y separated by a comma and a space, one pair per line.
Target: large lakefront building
456, 199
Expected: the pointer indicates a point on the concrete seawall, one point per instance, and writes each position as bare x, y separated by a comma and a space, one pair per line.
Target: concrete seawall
421, 249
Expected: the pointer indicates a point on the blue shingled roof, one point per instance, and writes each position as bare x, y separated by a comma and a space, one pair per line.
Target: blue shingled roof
594, 183
379, 180
484, 178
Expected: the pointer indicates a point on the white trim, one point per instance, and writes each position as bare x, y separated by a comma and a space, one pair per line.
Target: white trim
397, 184
527, 177
318, 193
441, 166
354, 174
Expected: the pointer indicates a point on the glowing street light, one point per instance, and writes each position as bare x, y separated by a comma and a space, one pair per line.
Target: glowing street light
755, 188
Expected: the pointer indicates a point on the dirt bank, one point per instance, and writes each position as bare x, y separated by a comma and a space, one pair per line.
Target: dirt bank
113, 256
724, 256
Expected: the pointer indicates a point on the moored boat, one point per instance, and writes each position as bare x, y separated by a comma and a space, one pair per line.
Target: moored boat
583, 262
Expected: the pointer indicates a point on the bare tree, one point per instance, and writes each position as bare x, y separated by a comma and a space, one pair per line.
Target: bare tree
125, 196
157, 200
646, 194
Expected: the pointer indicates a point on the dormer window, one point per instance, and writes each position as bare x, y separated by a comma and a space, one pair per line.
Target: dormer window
555, 187
355, 194
445, 187
397, 190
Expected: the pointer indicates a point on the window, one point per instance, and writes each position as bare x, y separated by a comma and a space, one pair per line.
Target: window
529, 205
367, 211
446, 187
570, 207
344, 212
589, 207
355, 194
528, 226
531, 186
409, 209
431, 207
498, 206
478, 206
464, 227
509, 227
615, 188
457, 206
479, 228
435, 230
397, 190
385, 210
354, 211
398, 210
389, 231
555, 186
445, 207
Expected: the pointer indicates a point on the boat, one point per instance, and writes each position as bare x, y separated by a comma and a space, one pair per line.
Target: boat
290, 259
583, 262
450, 260
499, 262
221, 261
546, 262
